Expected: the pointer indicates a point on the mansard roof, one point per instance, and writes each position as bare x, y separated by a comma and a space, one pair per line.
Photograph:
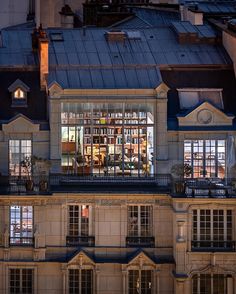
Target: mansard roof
36, 109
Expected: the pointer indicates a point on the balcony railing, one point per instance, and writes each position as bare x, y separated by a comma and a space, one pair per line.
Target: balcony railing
205, 187
21, 241
23, 185
140, 241
87, 241
203, 246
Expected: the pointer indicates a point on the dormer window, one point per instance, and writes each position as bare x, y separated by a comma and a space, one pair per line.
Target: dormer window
191, 97
19, 94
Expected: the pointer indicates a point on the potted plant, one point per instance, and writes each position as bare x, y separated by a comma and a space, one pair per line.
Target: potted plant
33, 165
179, 172
41, 167
26, 165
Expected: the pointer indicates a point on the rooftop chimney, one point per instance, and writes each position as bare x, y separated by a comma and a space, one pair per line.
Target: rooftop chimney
194, 15
43, 56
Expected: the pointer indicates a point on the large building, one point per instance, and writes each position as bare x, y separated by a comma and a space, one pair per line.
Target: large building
117, 157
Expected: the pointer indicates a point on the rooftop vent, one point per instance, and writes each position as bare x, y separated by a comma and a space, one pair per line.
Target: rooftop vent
56, 37
115, 36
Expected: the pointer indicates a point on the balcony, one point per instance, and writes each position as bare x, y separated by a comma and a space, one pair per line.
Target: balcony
86, 241
140, 242
22, 185
87, 183
205, 188
213, 246
21, 241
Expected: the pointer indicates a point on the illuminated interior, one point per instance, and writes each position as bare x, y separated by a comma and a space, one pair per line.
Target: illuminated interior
107, 139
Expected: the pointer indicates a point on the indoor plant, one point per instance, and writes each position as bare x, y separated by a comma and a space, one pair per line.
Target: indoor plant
180, 171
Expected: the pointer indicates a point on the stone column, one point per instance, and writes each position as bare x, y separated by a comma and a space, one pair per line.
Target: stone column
64, 281
230, 285
157, 281
6, 237
187, 286
179, 287
124, 281
161, 139
97, 272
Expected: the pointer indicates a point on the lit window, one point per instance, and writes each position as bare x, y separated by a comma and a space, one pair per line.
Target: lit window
209, 283
19, 94
21, 225
189, 98
206, 157
18, 91
140, 281
19, 98
19, 150
80, 281
108, 138
212, 229
79, 225
21, 280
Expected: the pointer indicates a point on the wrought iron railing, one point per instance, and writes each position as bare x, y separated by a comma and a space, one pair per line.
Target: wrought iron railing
205, 187
87, 241
213, 245
24, 185
140, 241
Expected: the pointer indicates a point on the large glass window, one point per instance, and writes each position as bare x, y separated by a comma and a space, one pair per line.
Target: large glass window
21, 225
207, 157
209, 284
80, 281
19, 150
139, 221
212, 229
21, 281
140, 282
107, 139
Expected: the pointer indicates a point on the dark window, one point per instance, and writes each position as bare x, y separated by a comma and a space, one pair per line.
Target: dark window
140, 282
21, 281
209, 284
80, 281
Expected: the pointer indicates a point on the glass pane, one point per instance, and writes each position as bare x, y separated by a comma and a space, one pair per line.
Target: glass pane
107, 139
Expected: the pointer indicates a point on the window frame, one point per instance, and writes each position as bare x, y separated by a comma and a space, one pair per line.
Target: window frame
19, 101
214, 238
140, 271
80, 281
210, 285
21, 268
90, 219
149, 233
20, 154
211, 162
21, 220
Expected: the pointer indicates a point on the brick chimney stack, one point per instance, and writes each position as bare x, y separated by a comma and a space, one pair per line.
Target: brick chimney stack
43, 56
